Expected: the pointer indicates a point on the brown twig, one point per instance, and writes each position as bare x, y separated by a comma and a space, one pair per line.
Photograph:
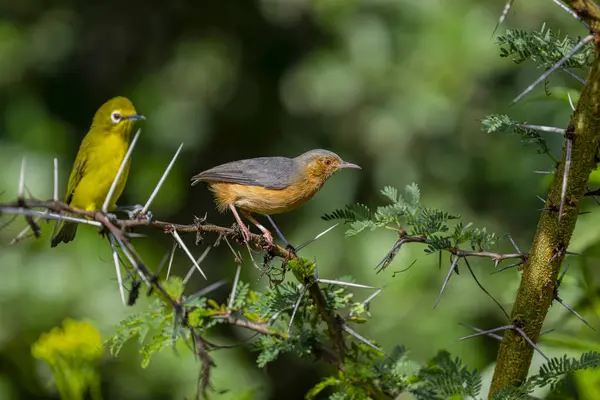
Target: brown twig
403, 238
257, 242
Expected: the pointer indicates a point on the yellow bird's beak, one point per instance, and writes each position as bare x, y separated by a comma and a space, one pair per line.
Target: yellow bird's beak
134, 117
345, 164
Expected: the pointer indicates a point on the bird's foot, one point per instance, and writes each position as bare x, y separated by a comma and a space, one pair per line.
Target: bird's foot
135, 212
245, 233
111, 217
269, 238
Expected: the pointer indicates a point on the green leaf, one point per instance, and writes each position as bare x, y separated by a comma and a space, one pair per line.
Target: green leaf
413, 195
552, 372
158, 343
512, 393
357, 227
544, 48
319, 387
391, 193
494, 123
447, 377
350, 213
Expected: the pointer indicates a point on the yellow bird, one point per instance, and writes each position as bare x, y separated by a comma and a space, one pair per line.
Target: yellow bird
98, 160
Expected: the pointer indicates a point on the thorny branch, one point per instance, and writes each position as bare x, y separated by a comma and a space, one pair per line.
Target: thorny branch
404, 238
118, 228
199, 226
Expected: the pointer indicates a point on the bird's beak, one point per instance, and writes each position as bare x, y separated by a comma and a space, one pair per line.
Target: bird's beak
135, 117
345, 164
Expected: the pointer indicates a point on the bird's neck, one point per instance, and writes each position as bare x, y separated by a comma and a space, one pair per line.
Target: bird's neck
122, 131
314, 176
313, 182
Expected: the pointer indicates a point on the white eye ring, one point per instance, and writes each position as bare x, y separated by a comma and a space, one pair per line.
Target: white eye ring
115, 117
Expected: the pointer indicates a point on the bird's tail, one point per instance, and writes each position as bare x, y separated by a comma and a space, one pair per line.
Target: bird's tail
66, 232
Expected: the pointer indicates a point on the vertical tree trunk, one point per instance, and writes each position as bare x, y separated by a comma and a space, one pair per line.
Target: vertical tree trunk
536, 291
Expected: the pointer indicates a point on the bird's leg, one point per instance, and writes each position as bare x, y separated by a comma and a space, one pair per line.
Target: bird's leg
243, 226
264, 230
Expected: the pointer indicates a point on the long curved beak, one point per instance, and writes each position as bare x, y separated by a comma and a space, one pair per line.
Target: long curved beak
135, 117
345, 164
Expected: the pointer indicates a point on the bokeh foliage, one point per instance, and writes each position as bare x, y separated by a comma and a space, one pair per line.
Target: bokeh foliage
396, 86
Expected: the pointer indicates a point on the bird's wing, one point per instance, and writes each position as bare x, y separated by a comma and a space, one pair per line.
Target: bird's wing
268, 172
78, 170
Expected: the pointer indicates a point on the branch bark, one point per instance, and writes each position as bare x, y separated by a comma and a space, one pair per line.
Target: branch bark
588, 11
257, 242
540, 272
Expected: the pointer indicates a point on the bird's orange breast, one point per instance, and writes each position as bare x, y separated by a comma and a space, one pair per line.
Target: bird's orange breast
260, 200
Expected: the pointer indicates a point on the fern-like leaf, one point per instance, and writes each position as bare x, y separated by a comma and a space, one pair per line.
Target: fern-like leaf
350, 213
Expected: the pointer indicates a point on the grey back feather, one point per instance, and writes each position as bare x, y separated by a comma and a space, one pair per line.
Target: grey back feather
268, 172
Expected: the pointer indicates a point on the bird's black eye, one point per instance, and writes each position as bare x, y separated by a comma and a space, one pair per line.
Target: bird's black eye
327, 162
115, 117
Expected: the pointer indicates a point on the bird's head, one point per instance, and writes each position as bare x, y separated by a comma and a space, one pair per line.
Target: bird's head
322, 164
117, 115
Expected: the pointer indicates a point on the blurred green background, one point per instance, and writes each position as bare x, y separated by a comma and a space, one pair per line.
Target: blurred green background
395, 86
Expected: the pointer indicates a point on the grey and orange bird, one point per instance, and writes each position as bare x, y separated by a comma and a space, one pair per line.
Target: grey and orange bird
270, 185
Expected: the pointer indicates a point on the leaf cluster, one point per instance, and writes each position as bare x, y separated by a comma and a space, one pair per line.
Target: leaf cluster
406, 215
498, 123
544, 48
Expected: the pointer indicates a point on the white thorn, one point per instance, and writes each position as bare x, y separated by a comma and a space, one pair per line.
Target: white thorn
359, 337
367, 300
46, 215
481, 332
134, 265
567, 9
541, 128
492, 335
371, 297
198, 262
316, 237
514, 244
273, 318
342, 283
571, 101
326, 231
558, 64
118, 269
55, 196
574, 76
120, 171
20, 235
450, 271
503, 16
189, 274
162, 262
206, 290
21, 192
187, 251
563, 191
296, 306
171, 260
234, 287
161, 181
